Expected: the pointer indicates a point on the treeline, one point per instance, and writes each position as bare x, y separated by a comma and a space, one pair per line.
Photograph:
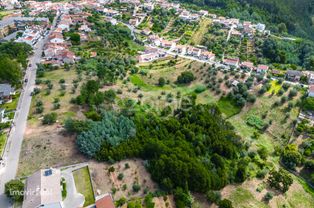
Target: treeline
12, 57
193, 149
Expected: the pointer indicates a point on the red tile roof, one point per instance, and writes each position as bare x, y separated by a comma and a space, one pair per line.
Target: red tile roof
105, 202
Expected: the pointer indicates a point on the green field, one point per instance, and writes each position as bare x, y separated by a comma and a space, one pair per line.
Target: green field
242, 198
227, 107
3, 139
84, 185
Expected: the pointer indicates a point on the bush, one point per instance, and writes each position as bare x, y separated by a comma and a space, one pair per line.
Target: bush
225, 203
14, 190
213, 196
49, 119
161, 81
136, 187
268, 196
200, 89
185, 78
120, 176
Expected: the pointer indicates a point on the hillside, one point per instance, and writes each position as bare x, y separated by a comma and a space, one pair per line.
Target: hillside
295, 14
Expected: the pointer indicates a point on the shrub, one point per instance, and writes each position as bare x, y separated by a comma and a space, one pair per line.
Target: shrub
49, 118
185, 78
136, 187
14, 190
120, 176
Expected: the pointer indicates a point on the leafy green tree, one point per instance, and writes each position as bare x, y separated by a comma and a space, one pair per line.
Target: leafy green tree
185, 78
291, 157
225, 203
10, 71
111, 130
161, 81
14, 190
280, 180
50, 118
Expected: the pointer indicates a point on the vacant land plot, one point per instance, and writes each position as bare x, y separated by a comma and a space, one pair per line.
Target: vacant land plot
84, 185
197, 36
121, 181
47, 147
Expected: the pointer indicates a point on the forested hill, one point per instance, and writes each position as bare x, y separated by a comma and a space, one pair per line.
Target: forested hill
295, 14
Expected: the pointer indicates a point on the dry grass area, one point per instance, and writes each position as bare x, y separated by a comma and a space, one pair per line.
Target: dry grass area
105, 182
47, 146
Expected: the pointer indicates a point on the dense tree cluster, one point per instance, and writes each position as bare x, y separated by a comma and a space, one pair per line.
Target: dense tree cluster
161, 18
192, 149
108, 70
12, 57
110, 131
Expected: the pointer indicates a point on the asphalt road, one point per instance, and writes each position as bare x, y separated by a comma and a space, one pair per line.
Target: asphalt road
15, 139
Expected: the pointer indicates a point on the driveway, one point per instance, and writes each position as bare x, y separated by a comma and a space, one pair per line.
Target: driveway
73, 198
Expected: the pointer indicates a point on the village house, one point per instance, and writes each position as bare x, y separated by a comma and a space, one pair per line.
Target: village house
167, 43
43, 189
104, 201
84, 28
311, 78
206, 55
203, 12
311, 91
192, 51
149, 6
110, 12
56, 37
150, 54
262, 69
30, 36
6, 93
180, 49
234, 62
293, 75
247, 65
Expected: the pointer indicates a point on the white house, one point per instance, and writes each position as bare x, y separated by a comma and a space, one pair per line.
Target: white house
260, 27
43, 189
311, 91
311, 78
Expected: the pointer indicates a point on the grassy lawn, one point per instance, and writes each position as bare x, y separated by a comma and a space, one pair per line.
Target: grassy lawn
227, 107
3, 138
12, 105
137, 81
275, 87
242, 198
83, 185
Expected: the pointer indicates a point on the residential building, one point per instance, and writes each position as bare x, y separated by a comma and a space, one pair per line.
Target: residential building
260, 27
6, 93
181, 49
234, 62
167, 43
247, 65
43, 189
56, 37
311, 91
206, 55
293, 75
311, 78
192, 51
262, 68
110, 12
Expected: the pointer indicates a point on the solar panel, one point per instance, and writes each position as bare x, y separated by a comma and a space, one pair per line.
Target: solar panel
48, 172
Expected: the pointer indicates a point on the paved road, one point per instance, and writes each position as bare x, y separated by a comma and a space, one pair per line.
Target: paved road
15, 139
